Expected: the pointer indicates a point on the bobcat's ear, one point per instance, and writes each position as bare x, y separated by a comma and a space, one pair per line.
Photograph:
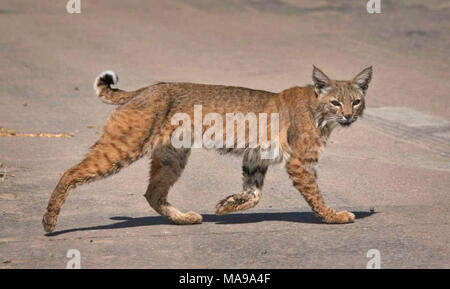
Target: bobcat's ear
322, 84
363, 79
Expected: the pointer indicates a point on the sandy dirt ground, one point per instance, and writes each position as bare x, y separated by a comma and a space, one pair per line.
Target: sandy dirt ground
396, 160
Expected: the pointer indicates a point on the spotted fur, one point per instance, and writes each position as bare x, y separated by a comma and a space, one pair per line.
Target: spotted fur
142, 125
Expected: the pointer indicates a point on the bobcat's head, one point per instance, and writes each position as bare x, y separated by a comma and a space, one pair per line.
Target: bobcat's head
340, 101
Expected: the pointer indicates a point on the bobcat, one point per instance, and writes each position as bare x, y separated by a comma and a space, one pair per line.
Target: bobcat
142, 124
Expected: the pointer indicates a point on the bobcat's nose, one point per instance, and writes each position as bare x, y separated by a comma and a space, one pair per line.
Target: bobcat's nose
347, 116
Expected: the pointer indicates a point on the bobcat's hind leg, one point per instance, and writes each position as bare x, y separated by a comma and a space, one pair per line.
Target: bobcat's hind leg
120, 145
254, 171
167, 164
103, 160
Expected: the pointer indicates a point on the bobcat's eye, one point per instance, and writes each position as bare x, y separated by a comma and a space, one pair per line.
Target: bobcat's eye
335, 103
356, 102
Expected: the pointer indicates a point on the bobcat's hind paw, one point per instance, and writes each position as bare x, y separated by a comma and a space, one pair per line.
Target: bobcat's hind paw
189, 218
49, 223
342, 217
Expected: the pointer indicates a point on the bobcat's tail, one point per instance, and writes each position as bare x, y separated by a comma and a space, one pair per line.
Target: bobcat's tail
102, 87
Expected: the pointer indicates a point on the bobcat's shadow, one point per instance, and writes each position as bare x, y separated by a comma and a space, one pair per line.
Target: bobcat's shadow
129, 222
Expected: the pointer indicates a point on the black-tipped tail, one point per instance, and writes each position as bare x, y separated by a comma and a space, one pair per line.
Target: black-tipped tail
104, 81
102, 87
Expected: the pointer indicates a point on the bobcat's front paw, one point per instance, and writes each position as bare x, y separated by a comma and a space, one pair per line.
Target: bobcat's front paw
230, 204
342, 217
238, 202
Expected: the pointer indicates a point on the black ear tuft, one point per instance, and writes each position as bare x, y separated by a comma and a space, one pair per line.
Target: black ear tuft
322, 83
363, 79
